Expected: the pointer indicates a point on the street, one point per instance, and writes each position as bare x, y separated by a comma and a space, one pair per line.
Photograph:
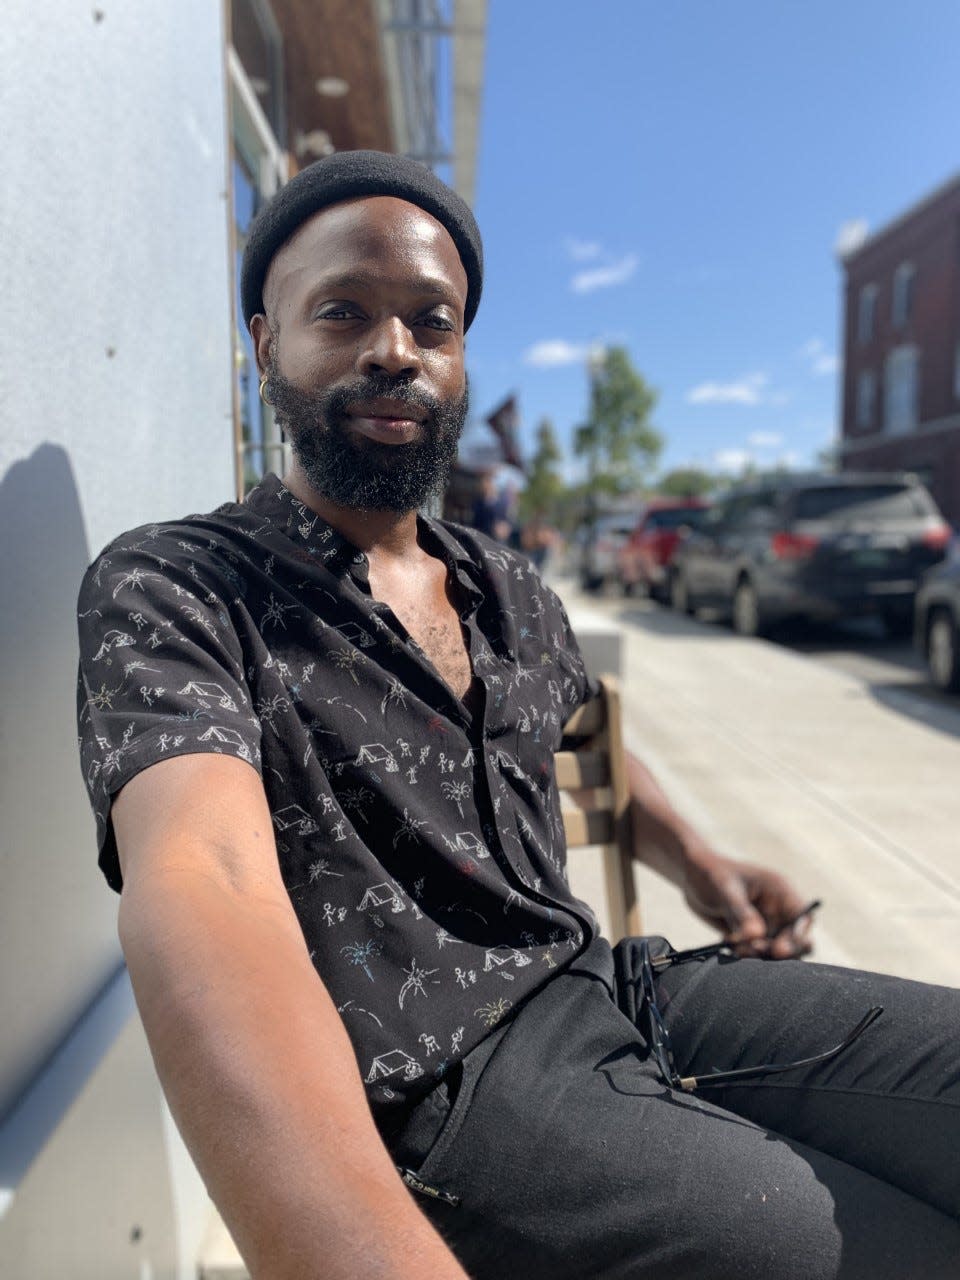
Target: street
833, 762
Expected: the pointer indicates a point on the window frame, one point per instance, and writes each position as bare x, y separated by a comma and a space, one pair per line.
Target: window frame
865, 406
256, 149
905, 356
867, 313
902, 297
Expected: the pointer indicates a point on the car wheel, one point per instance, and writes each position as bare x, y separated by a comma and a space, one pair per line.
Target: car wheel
943, 652
747, 620
680, 597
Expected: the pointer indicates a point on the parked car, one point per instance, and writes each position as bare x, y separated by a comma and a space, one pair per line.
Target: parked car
937, 624
812, 546
646, 555
599, 546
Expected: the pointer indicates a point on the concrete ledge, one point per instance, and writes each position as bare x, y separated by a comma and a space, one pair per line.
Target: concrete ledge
600, 640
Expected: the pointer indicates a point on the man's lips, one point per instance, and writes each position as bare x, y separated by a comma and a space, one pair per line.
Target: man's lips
387, 421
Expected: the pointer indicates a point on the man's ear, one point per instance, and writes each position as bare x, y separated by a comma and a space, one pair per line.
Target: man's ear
262, 341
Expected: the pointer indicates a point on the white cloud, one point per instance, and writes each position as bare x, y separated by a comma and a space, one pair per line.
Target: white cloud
822, 362
618, 272
765, 440
746, 390
850, 237
582, 250
553, 352
732, 460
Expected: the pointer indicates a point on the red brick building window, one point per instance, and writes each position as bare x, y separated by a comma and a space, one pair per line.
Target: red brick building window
902, 294
866, 398
866, 314
900, 390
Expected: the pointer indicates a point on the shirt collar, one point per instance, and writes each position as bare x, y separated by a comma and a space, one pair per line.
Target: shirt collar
272, 499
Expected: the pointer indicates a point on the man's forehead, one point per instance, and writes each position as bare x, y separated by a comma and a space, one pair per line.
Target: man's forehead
347, 176
343, 236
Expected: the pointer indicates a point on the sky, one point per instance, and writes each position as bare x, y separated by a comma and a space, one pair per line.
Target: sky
676, 179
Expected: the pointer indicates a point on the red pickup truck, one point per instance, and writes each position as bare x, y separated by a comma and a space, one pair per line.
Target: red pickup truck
645, 556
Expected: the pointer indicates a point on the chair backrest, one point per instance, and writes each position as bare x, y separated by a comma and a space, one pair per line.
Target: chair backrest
591, 770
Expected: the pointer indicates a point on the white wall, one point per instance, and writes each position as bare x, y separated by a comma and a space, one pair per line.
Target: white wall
115, 409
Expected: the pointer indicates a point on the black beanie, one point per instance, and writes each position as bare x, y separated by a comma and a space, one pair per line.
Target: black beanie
347, 175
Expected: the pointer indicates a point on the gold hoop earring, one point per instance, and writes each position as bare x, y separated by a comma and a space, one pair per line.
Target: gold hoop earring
263, 383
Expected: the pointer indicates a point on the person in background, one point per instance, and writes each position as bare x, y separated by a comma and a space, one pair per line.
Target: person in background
491, 511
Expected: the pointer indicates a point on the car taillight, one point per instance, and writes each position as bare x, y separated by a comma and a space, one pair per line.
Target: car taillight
793, 546
937, 537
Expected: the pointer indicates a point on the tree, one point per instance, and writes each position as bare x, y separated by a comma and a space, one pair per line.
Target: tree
685, 482
544, 483
618, 440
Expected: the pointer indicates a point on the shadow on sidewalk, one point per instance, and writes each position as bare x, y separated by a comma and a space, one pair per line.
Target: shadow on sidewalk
921, 703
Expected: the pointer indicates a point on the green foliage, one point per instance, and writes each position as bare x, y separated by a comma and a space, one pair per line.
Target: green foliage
618, 440
545, 486
685, 482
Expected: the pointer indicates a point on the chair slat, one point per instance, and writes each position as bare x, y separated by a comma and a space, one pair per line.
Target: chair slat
587, 826
605, 820
577, 769
587, 720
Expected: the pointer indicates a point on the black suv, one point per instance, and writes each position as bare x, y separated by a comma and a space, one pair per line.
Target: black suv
812, 546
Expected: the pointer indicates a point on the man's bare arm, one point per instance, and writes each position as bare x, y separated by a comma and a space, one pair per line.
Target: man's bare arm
252, 1054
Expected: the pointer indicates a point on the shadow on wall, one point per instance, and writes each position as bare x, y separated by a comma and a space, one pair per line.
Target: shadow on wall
56, 924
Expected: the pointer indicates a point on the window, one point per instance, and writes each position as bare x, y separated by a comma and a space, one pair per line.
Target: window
900, 386
895, 501
866, 398
259, 168
675, 518
867, 314
257, 41
902, 294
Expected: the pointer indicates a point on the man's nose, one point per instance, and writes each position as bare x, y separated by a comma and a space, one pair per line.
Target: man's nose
391, 349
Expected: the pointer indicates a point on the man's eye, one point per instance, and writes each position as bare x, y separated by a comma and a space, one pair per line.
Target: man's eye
437, 320
337, 311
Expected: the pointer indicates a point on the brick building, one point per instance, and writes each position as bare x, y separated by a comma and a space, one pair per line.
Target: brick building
901, 369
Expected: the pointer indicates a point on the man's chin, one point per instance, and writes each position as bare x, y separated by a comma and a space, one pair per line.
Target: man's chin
373, 477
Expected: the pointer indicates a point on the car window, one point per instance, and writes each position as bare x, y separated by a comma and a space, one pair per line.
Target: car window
891, 501
676, 518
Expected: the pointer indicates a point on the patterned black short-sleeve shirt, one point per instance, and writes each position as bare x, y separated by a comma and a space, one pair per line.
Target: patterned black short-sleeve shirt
421, 845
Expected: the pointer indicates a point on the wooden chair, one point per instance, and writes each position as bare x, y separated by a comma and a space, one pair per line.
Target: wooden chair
591, 772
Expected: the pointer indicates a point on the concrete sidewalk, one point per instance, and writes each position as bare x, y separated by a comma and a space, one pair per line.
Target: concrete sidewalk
852, 793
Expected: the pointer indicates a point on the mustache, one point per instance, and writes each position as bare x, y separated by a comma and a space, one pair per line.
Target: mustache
332, 402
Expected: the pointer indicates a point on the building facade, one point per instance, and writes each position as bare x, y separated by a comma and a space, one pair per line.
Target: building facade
901, 336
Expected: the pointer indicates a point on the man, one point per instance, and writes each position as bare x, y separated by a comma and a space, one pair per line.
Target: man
317, 731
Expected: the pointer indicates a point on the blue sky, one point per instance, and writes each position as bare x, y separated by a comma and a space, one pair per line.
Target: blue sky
675, 178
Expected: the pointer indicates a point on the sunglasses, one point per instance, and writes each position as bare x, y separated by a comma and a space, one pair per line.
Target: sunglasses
660, 1045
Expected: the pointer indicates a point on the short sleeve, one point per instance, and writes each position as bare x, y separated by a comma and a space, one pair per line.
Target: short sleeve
582, 686
161, 672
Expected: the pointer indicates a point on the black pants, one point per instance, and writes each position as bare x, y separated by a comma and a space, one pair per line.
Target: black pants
571, 1158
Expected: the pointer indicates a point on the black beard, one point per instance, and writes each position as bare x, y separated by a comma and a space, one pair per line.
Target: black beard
363, 474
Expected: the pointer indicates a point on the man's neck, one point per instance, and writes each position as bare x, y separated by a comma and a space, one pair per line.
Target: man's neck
381, 535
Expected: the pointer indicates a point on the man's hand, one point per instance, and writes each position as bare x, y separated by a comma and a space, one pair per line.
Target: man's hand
757, 910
